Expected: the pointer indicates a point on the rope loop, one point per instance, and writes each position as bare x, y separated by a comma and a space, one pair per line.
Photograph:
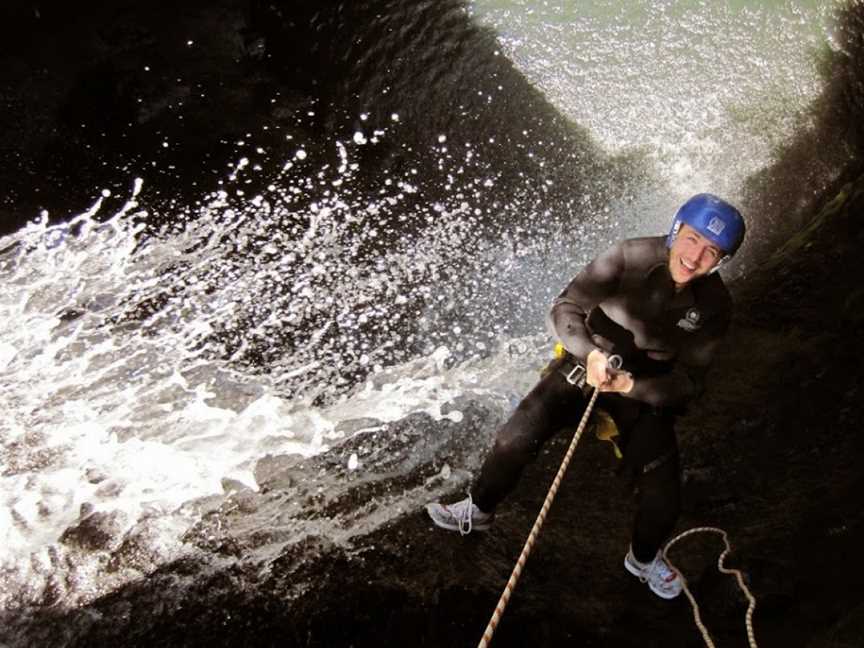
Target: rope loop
751, 600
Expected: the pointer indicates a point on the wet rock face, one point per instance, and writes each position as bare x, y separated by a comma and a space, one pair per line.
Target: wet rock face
100, 530
308, 554
327, 555
330, 555
102, 94
141, 548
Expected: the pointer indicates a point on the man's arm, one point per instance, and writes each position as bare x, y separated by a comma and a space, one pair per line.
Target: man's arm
599, 280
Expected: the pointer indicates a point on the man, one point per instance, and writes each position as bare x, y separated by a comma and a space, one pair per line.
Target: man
658, 305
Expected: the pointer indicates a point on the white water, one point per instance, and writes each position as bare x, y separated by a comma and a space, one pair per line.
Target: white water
136, 416
705, 90
141, 415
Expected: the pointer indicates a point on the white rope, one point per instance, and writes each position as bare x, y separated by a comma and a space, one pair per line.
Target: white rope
535, 530
748, 618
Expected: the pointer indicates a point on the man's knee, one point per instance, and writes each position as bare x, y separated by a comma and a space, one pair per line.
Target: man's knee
520, 438
515, 445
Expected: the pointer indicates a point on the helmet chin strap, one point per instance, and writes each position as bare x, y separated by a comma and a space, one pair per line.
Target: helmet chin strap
723, 261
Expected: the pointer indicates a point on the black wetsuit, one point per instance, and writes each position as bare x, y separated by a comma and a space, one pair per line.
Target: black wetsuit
623, 302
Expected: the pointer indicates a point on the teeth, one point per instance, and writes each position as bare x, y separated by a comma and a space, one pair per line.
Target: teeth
687, 265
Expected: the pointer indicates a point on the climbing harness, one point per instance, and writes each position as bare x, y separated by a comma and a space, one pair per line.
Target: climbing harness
575, 372
608, 433
535, 530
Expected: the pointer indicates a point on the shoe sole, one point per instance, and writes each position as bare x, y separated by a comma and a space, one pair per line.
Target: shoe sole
638, 574
477, 526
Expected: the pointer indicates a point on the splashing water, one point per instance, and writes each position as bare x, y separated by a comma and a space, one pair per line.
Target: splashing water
125, 369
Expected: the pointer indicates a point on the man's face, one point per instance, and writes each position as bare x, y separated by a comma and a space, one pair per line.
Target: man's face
691, 255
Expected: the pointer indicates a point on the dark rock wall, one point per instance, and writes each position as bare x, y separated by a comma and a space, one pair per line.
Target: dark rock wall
824, 154
92, 92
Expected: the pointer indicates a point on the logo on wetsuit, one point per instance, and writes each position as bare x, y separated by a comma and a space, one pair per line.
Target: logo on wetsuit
692, 320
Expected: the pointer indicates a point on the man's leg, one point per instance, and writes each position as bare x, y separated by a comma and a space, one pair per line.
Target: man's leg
651, 455
552, 405
653, 451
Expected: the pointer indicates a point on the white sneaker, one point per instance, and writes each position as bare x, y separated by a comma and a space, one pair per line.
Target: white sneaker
462, 516
661, 578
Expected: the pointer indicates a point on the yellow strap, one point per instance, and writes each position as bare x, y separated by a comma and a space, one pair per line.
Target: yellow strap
606, 430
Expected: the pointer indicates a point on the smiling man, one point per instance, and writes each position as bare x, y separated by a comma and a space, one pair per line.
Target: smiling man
658, 305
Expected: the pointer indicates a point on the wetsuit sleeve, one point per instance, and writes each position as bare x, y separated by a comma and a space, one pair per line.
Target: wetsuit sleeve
686, 381
599, 280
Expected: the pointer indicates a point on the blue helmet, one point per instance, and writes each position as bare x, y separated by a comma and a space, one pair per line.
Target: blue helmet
713, 218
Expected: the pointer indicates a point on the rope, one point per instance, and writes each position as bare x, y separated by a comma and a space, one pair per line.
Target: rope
748, 618
535, 530
541, 517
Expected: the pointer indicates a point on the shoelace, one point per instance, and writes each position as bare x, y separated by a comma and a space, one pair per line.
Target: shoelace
466, 517
657, 565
